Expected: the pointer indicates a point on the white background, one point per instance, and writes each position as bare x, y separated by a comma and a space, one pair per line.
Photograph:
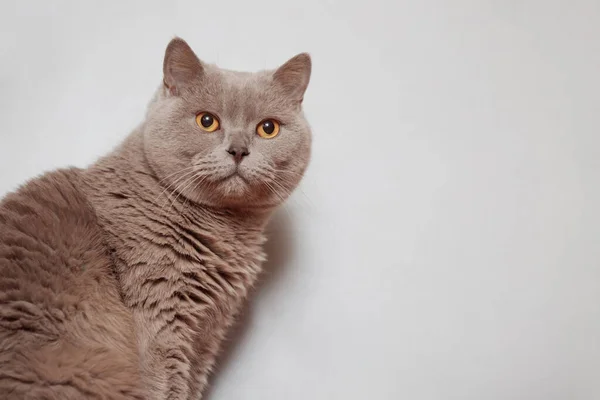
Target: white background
445, 244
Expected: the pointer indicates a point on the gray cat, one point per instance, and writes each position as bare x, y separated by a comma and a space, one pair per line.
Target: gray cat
119, 281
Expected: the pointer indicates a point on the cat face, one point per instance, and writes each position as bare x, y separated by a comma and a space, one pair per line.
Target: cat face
228, 139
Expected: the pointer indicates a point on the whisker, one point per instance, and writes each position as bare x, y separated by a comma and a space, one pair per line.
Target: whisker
179, 189
202, 179
171, 185
176, 172
274, 191
290, 192
283, 171
281, 200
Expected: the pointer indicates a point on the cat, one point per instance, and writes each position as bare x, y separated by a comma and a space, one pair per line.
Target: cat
120, 281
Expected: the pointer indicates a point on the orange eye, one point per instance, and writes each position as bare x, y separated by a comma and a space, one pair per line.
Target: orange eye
268, 129
207, 122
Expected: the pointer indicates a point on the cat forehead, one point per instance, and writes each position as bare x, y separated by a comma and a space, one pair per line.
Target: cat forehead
234, 93
236, 83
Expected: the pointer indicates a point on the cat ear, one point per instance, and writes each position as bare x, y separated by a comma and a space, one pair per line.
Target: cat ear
294, 76
181, 67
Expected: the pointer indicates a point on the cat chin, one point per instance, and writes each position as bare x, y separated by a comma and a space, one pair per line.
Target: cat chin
232, 192
236, 186
243, 197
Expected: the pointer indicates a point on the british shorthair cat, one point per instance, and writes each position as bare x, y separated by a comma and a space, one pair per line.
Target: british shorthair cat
119, 281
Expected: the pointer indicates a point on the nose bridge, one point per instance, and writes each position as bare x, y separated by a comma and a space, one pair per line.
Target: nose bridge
237, 145
238, 138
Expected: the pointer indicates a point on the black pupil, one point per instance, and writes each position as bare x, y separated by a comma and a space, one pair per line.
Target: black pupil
268, 127
207, 120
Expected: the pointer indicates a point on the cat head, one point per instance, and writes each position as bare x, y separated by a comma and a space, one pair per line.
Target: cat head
228, 139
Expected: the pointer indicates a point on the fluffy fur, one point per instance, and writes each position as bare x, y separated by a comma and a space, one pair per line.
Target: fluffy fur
120, 281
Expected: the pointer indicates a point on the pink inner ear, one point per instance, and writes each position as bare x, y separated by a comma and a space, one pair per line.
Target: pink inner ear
171, 88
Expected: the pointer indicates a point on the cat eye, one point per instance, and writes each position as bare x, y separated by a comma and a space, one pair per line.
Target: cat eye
207, 122
268, 129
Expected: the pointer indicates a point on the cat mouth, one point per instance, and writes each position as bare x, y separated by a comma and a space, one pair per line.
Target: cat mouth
236, 176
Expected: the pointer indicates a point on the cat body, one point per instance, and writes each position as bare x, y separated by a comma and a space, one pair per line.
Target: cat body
120, 280
64, 331
184, 270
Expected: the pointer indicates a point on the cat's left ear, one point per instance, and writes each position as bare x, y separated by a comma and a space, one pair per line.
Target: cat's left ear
294, 75
181, 67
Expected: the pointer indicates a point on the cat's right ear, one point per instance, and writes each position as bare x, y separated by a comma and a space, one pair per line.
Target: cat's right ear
294, 76
181, 67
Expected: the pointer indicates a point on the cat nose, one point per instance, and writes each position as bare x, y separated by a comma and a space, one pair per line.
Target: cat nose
238, 152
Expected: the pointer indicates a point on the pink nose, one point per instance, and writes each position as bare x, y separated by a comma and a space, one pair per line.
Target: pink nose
238, 153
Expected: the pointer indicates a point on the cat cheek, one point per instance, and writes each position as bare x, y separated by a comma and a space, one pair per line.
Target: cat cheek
282, 162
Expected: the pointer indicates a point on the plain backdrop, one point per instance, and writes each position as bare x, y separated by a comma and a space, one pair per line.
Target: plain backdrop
445, 241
